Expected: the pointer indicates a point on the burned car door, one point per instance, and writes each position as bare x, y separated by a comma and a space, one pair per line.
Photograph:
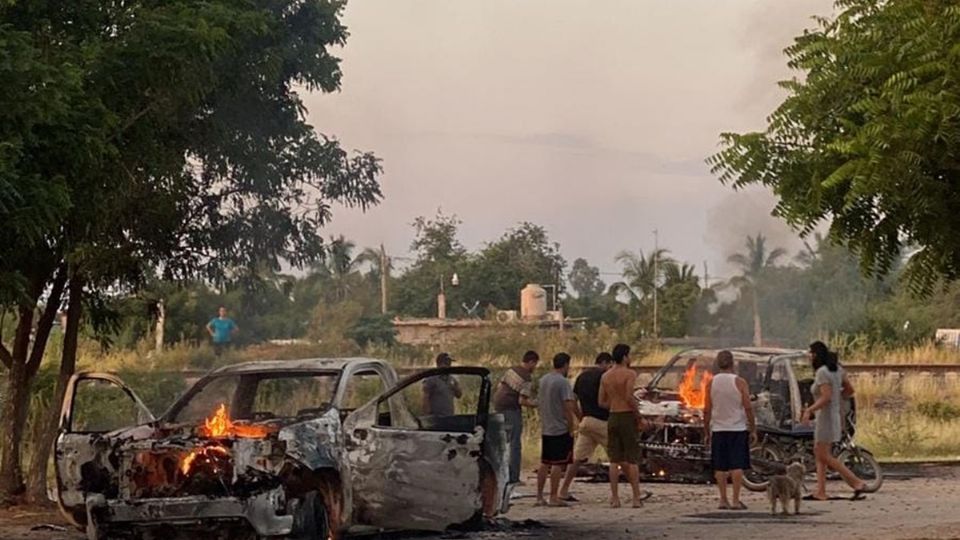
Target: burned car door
95, 406
416, 453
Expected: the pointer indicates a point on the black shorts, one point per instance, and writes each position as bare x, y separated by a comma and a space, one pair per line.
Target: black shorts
730, 450
556, 449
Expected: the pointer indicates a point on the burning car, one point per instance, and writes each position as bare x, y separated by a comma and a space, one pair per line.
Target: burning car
672, 405
282, 449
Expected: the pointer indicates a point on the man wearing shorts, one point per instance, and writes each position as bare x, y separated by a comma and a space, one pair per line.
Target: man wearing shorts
623, 444
592, 431
558, 418
729, 428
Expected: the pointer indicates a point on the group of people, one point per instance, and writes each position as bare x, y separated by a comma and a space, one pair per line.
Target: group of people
598, 410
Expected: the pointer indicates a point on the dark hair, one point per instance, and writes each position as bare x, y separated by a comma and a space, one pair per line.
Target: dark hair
822, 356
620, 351
724, 360
531, 356
604, 358
561, 360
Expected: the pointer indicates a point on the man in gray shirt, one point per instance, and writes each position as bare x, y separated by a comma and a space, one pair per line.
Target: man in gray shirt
559, 416
440, 392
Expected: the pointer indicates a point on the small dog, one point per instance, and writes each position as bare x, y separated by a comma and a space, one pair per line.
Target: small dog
784, 487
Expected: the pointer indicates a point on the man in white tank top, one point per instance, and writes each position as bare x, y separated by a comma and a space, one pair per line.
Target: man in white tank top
729, 428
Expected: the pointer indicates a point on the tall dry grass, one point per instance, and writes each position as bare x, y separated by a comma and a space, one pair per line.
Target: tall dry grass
911, 417
927, 353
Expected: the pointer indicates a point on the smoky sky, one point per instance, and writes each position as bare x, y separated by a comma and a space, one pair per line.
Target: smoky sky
591, 118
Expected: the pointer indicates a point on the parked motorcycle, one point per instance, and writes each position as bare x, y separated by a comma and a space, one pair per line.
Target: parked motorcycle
778, 448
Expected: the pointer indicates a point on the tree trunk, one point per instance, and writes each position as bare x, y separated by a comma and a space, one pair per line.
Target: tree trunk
757, 329
159, 329
43, 445
15, 410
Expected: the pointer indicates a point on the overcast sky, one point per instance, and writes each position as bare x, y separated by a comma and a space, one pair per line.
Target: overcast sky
592, 118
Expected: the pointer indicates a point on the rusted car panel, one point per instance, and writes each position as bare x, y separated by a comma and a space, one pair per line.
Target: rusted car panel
380, 465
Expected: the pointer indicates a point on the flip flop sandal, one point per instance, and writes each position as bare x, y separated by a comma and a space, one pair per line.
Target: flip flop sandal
723, 507
569, 498
812, 498
858, 495
739, 506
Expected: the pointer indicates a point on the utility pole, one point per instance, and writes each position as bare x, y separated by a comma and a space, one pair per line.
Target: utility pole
706, 276
384, 278
441, 301
656, 279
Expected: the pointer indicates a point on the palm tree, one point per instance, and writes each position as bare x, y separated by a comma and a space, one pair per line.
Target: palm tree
379, 270
640, 272
753, 264
336, 268
676, 273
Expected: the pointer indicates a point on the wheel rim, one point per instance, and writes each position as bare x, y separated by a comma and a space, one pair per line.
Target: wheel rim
760, 467
863, 467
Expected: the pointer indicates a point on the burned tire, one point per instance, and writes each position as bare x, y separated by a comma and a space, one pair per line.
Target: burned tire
311, 521
862, 463
765, 461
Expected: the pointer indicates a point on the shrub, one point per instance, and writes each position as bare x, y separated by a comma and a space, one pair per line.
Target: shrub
941, 411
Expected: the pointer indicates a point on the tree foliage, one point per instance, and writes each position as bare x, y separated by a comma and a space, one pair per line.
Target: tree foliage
142, 137
867, 136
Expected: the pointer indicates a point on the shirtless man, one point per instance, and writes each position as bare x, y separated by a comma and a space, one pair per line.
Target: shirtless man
616, 395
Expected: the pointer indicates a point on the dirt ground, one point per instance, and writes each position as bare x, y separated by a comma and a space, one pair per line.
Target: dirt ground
912, 505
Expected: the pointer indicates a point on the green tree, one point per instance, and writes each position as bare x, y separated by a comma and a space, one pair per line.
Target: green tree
754, 265
867, 135
439, 254
523, 255
585, 279
642, 273
172, 140
679, 296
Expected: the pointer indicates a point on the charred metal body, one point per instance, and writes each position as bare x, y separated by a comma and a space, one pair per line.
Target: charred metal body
671, 404
295, 461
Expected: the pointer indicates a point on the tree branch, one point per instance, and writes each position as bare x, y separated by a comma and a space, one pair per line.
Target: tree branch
5, 357
45, 322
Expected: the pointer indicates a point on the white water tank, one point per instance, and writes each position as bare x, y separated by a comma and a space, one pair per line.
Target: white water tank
533, 302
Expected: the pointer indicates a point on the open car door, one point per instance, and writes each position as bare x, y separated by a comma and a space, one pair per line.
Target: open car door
95, 406
416, 453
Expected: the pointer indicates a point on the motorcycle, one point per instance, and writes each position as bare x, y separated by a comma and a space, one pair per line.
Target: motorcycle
778, 448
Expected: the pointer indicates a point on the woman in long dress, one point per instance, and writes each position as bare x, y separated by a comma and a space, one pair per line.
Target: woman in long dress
830, 386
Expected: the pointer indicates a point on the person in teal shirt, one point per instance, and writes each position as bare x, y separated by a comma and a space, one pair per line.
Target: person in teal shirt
221, 329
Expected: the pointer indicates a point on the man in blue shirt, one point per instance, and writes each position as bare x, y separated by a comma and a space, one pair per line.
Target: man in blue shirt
221, 329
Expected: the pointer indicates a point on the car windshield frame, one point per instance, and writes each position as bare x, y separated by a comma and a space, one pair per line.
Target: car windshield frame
704, 362
170, 416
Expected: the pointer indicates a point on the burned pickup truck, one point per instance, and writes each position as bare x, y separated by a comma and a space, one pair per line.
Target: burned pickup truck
672, 404
779, 379
304, 449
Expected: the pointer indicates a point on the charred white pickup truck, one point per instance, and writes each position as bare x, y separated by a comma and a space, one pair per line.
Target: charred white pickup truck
303, 449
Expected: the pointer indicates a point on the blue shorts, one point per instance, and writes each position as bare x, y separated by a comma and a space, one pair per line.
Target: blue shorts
730, 450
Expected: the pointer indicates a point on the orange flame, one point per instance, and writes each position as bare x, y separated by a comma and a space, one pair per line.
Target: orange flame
692, 394
207, 451
219, 426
